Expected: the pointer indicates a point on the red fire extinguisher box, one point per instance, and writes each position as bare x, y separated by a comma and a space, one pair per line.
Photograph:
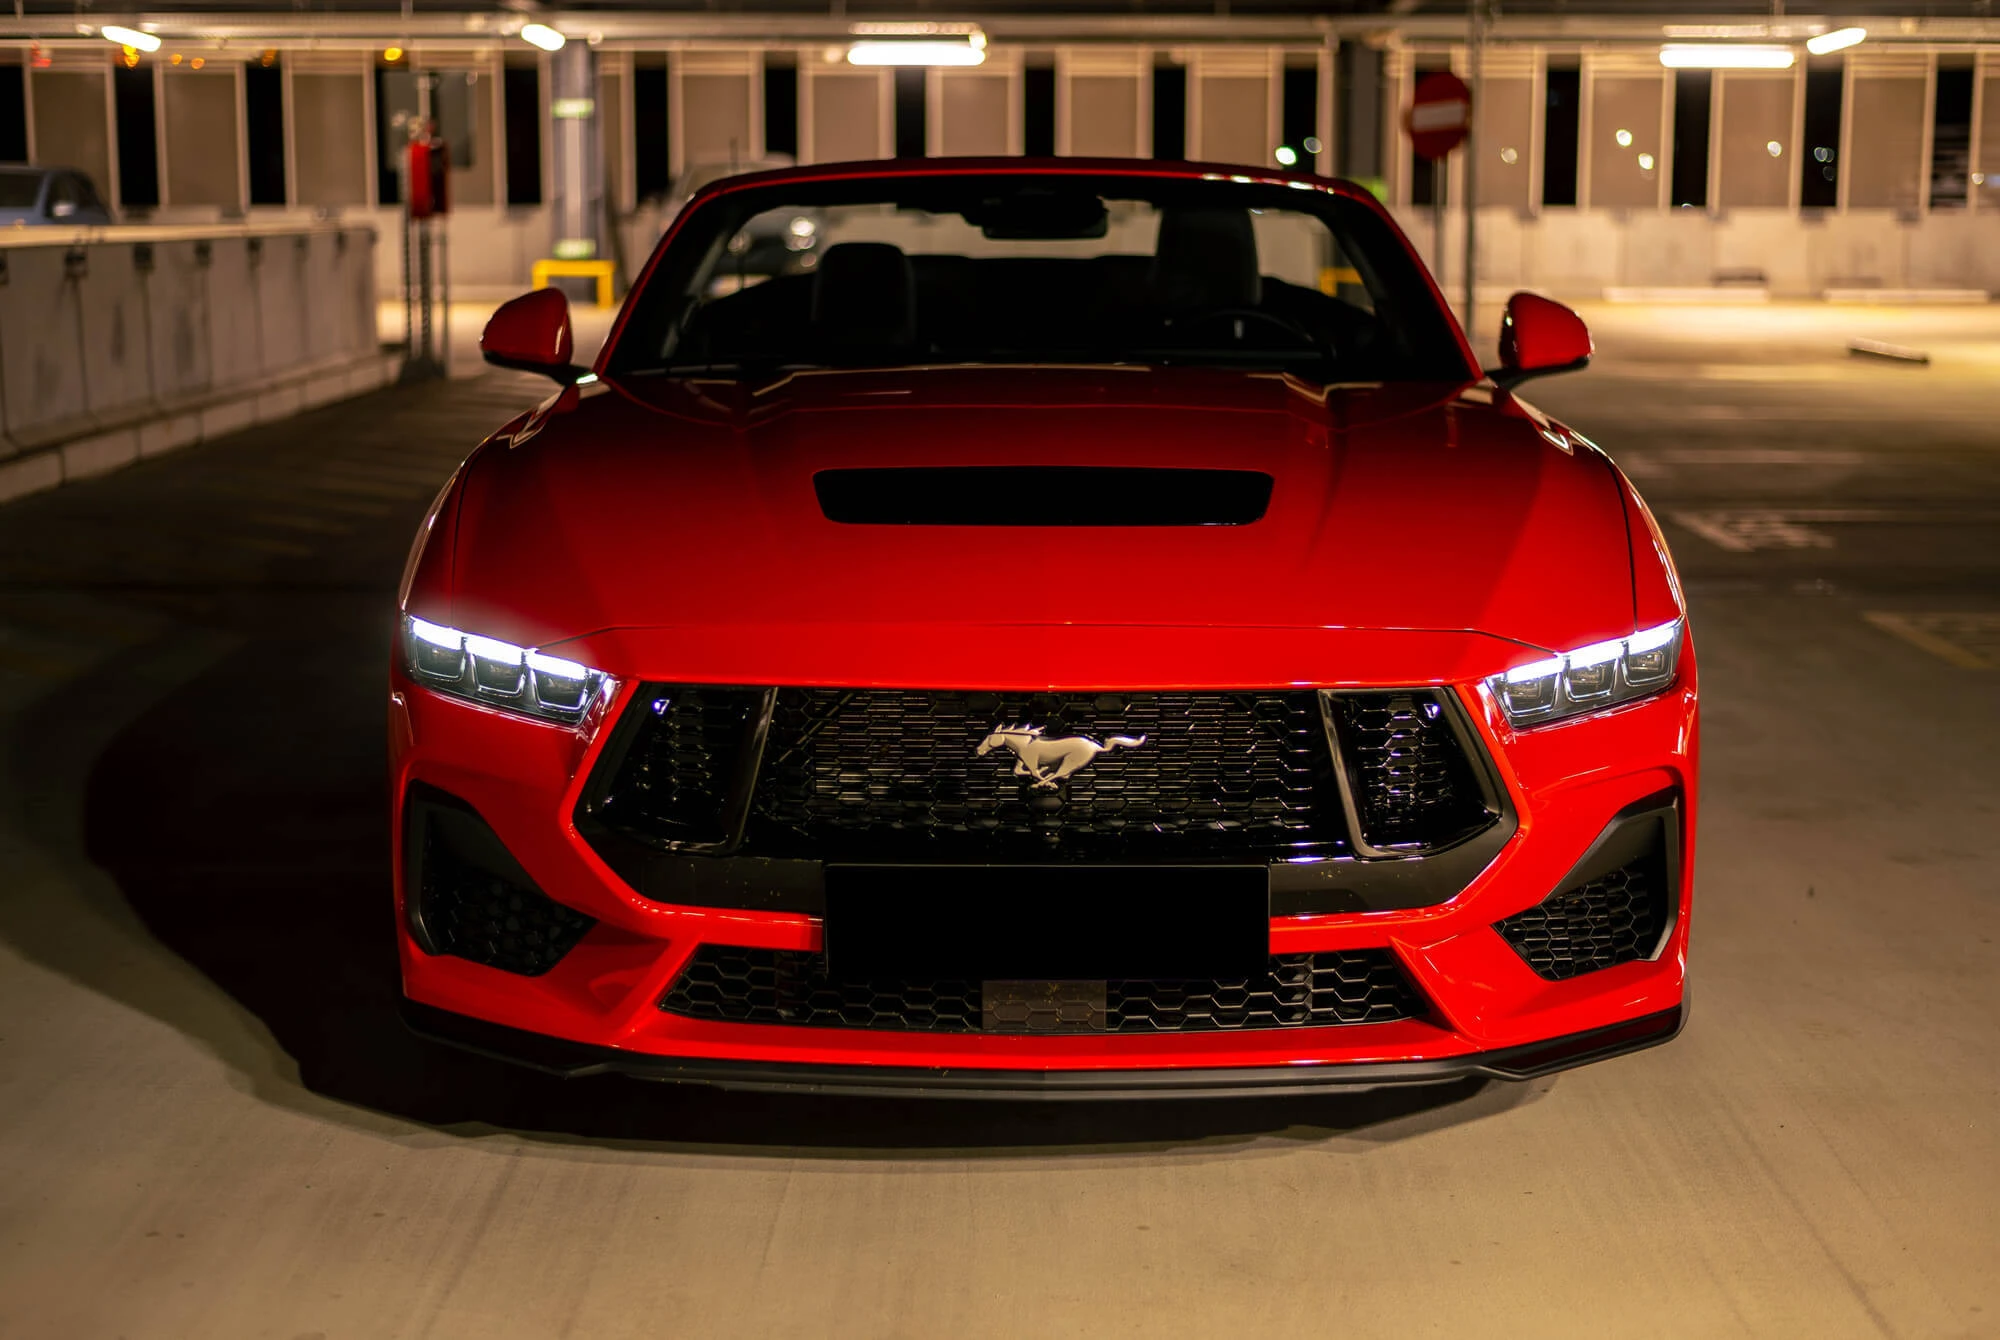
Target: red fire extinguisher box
430, 177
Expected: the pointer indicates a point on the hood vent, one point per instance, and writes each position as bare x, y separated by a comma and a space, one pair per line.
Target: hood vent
1042, 495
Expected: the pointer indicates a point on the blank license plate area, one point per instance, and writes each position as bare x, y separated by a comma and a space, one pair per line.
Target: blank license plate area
1042, 923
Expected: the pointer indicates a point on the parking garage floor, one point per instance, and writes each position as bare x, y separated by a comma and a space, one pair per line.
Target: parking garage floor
211, 1123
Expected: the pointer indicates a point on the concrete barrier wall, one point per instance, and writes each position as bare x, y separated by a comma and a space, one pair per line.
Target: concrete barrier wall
120, 342
1583, 252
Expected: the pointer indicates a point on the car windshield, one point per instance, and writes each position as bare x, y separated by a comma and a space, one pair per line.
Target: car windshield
19, 190
1019, 268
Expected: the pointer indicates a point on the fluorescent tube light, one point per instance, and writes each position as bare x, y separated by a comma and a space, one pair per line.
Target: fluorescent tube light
1838, 40
129, 37
1726, 56
543, 36
916, 53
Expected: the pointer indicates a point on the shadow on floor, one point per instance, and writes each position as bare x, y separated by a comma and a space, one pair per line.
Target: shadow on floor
241, 817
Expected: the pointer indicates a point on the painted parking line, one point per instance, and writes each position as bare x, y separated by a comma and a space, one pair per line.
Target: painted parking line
1970, 641
1658, 463
1744, 529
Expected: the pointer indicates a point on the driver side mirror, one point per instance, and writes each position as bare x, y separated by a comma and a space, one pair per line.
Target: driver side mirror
531, 334
1538, 337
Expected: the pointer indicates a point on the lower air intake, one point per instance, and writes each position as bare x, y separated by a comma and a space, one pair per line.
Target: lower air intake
773, 986
1616, 918
470, 899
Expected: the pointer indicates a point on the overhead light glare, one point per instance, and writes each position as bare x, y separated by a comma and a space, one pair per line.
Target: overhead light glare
1838, 40
1726, 56
543, 36
916, 53
129, 37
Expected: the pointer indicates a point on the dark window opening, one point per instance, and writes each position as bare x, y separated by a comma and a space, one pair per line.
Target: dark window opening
1819, 162
781, 107
652, 176
1170, 111
1561, 118
13, 114
1038, 111
1299, 118
395, 109
521, 94
1691, 112
138, 150
1951, 137
911, 115
264, 126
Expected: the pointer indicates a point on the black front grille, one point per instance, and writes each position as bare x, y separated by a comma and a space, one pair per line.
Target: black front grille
879, 775
899, 775
1616, 918
1414, 786
462, 908
773, 986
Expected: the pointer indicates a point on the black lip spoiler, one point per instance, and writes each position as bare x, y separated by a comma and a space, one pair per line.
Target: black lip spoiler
572, 1060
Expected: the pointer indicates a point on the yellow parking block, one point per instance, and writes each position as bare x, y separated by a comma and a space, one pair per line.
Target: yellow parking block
544, 270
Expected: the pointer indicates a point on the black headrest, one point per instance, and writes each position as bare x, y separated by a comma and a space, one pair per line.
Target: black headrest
863, 295
1206, 259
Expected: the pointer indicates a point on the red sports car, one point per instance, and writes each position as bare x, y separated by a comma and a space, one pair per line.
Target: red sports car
1088, 628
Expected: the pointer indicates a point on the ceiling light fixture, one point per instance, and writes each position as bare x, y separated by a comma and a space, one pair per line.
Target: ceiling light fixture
1723, 56
129, 37
915, 53
1838, 40
543, 36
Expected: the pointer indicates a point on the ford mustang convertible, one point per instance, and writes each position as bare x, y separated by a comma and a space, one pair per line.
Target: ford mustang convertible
1082, 629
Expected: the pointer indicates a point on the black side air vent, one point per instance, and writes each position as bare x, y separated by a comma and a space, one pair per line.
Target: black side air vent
1042, 495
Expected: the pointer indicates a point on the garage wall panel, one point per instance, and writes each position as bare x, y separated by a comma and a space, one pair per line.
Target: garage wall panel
1625, 148
1885, 166
972, 112
1103, 103
73, 122
204, 163
330, 137
717, 108
1506, 125
1756, 114
848, 115
1232, 107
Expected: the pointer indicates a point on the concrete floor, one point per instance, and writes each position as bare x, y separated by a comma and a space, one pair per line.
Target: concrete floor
211, 1124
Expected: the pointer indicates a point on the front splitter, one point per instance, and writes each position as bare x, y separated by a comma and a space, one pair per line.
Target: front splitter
572, 1060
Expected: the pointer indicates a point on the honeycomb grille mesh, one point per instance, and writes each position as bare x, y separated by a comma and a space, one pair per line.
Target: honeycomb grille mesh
899, 775
1617, 918
1413, 785
676, 779
773, 986
475, 914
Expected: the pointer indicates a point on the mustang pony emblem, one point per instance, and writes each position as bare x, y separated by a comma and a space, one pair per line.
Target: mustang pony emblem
1049, 761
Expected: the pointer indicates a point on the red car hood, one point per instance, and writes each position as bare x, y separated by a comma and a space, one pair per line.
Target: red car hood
665, 524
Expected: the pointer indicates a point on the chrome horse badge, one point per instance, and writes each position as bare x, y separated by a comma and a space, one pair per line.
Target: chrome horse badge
1049, 761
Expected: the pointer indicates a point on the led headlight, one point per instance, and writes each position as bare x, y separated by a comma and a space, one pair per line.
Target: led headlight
1589, 678
499, 674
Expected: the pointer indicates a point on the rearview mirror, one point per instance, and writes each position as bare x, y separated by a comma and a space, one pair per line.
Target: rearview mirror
531, 334
1538, 337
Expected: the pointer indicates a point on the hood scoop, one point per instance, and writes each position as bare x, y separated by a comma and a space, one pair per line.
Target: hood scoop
1042, 495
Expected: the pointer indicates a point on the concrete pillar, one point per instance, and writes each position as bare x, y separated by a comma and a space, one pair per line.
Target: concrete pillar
579, 165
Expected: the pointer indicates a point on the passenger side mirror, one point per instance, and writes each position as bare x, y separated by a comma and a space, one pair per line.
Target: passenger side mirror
1538, 337
531, 334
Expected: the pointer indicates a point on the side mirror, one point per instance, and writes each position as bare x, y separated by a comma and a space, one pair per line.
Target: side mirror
531, 334
1538, 337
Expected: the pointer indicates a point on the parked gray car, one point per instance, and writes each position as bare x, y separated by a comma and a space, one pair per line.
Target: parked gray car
49, 196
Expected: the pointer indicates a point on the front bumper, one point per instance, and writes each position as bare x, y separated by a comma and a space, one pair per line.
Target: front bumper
573, 1060
598, 1007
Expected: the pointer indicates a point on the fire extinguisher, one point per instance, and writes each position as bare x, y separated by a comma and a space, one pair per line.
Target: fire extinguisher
430, 174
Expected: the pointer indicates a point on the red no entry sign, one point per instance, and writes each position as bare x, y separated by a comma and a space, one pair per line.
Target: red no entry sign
1440, 115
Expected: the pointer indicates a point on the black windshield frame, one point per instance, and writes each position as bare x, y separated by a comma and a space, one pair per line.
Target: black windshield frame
1429, 346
